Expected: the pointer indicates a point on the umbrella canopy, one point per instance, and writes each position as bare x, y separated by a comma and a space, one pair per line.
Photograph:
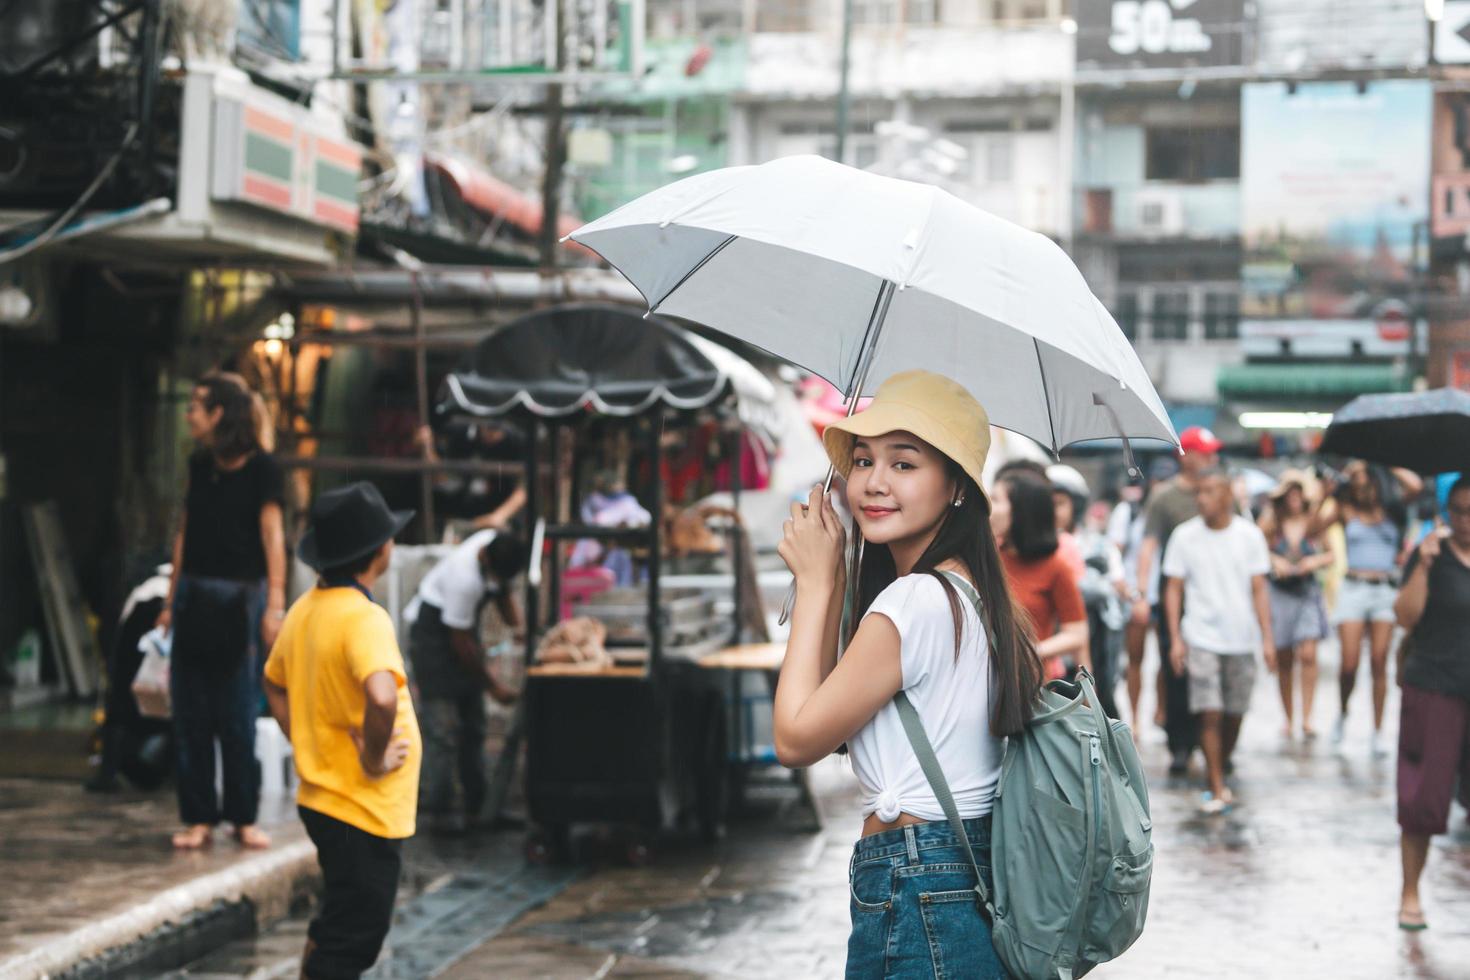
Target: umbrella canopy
811, 261
1423, 431
608, 359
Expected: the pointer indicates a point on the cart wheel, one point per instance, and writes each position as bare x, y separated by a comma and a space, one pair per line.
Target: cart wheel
639, 853
538, 851
550, 845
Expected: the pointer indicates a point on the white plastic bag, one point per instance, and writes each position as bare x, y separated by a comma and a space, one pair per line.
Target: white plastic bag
150, 684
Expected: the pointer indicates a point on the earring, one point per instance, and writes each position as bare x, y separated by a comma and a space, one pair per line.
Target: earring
959, 501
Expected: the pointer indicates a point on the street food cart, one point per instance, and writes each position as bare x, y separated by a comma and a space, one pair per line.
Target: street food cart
639, 744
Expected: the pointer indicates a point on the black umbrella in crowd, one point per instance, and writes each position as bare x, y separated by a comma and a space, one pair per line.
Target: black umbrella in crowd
1425, 431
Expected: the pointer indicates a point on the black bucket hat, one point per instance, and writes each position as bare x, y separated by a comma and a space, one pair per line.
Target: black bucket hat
349, 523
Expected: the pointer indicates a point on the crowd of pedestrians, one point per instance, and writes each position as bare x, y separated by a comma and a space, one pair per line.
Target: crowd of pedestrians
1231, 585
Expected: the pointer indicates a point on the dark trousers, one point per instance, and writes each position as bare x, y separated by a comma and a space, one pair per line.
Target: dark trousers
214, 680
360, 882
1103, 645
454, 741
1180, 726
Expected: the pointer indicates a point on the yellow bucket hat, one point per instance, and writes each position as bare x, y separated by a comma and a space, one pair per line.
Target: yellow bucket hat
932, 407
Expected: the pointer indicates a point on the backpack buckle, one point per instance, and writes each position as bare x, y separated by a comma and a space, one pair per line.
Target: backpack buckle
980, 904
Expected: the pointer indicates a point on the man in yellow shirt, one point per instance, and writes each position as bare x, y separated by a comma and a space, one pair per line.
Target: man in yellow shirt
336, 685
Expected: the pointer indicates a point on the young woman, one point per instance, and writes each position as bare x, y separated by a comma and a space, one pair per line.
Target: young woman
226, 602
1024, 522
1298, 617
913, 461
1375, 550
1434, 716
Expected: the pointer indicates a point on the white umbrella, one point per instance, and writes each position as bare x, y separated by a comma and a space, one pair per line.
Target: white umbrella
855, 276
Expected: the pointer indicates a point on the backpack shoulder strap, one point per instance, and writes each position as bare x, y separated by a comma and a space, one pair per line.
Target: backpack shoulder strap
967, 590
929, 763
913, 727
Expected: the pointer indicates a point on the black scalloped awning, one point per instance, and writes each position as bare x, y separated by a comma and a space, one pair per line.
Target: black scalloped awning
584, 357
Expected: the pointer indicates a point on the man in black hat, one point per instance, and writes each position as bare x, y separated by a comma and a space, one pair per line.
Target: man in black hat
336, 685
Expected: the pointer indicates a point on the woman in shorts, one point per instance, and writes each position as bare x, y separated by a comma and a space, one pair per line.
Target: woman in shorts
1298, 617
1375, 551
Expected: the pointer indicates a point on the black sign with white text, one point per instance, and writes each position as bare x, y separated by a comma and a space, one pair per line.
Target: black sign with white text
1123, 34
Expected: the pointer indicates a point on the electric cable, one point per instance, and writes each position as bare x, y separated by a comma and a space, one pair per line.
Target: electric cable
71, 212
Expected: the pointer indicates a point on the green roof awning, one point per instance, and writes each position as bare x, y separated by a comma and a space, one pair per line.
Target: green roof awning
1322, 381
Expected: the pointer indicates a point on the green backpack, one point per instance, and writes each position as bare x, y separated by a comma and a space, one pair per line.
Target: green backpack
1070, 833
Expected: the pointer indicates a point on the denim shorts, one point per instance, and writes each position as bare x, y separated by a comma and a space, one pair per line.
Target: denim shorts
915, 913
1359, 602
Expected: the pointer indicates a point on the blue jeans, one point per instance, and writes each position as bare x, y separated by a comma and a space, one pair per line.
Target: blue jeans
214, 681
915, 913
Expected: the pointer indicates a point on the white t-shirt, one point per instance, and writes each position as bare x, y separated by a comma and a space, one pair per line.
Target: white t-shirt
952, 697
456, 585
1217, 567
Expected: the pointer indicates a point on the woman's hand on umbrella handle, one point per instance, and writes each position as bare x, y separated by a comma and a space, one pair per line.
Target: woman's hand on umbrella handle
812, 542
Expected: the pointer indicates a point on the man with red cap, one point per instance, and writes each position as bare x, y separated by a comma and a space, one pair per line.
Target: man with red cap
1170, 505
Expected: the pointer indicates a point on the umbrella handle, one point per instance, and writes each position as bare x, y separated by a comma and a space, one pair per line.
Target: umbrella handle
1134, 473
790, 599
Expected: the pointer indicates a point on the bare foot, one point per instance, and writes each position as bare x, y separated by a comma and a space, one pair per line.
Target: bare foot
252, 837
193, 837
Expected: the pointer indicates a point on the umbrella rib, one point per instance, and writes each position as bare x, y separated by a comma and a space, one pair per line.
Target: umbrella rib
1051, 424
697, 266
857, 365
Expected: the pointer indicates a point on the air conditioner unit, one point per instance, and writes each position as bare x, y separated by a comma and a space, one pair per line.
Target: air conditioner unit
1158, 212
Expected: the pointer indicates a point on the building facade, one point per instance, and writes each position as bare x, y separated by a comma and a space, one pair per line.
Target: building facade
155, 161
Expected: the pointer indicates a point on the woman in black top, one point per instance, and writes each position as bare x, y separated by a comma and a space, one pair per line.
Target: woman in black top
226, 603
1434, 715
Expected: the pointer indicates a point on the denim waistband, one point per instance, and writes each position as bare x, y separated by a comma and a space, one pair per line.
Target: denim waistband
930, 834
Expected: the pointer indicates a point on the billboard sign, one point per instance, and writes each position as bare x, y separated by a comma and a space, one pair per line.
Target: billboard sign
1123, 34
1334, 192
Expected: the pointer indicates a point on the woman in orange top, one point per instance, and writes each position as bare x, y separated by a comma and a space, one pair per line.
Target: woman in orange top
1023, 519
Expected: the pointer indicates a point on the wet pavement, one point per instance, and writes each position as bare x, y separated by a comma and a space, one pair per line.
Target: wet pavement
1299, 881
82, 870
455, 895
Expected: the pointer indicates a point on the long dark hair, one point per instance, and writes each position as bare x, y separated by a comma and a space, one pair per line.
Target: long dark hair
1033, 516
964, 535
1274, 517
236, 434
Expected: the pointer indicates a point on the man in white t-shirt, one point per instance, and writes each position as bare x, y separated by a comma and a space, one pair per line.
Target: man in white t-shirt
1215, 567
449, 667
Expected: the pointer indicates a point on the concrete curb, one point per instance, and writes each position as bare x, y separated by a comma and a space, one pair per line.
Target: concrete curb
265, 880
